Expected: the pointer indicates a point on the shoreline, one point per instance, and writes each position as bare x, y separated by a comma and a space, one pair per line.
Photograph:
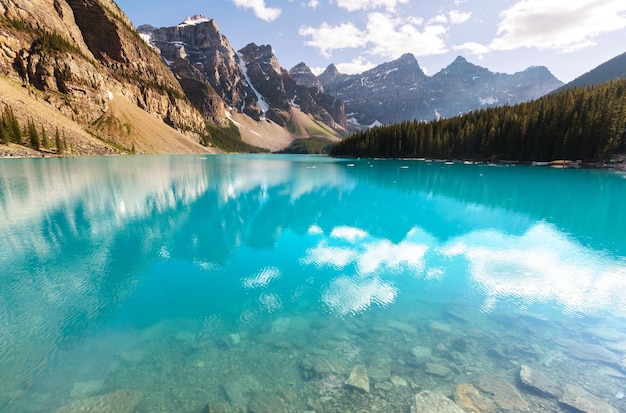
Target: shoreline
617, 162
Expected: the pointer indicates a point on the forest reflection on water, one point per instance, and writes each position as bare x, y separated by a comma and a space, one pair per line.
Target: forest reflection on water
99, 244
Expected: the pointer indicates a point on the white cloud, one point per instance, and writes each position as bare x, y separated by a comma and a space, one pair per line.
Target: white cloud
329, 38
438, 19
556, 24
458, 17
354, 5
317, 70
260, 9
357, 65
386, 35
472, 48
392, 37
313, 4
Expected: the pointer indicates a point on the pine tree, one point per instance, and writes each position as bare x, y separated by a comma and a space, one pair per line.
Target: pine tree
45, 142
58, 142
33, 135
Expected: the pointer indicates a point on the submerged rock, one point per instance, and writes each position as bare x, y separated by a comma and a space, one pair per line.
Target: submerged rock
379, 368
440, 327
216, 407
437, 369
593, 352
267, 403
421, 352
121, 401
358, 379
505, 395
86, 389
579, 399
319, 367
402, 327
281, 325
232, 339
539, 383
470, 399
427, 401
459, 345
398, 381
240, 391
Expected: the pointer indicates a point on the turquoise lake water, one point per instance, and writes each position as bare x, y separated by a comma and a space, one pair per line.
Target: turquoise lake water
305, 283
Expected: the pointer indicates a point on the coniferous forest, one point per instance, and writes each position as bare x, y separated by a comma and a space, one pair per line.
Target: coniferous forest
587, 124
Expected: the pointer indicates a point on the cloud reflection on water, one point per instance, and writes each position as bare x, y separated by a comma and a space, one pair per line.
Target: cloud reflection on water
542, 265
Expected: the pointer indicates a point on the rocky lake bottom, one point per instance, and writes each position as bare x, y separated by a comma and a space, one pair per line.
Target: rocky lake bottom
441, 359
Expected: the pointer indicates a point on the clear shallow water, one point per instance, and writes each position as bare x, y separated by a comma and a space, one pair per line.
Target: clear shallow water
163, 283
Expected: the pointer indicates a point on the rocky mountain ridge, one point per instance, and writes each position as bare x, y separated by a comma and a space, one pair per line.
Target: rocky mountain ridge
81, 57
612, 69
249, 81
399, 90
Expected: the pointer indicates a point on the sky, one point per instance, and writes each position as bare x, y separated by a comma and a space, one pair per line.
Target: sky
569, 37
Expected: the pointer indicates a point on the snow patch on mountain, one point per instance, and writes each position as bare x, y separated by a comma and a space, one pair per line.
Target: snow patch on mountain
261, 101
488, 101
194, 20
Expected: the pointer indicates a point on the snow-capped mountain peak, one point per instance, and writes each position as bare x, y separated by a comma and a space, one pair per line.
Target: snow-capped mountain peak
194, 20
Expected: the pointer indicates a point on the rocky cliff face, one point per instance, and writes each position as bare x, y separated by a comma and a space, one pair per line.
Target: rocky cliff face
79, 54
196, 49
463, 86
303, 76
399, 90
281, 91
391, 92
250, 81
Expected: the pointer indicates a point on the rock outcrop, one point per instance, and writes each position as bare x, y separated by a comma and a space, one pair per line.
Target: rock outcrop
281, 91
78, 55
249, 81
196, 49
303, 76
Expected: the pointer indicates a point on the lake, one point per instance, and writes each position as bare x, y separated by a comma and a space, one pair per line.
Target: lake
271, 283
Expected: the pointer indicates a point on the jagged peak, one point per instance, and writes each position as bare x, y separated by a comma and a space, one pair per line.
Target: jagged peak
331, 69
462, 65
408, 58
537, 69
195, 20
460, 61
301, 65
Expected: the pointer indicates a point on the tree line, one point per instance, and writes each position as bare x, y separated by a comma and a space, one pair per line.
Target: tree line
12, 132
587, 124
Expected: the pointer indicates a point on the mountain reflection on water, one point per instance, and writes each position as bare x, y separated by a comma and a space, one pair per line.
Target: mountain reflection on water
135, 240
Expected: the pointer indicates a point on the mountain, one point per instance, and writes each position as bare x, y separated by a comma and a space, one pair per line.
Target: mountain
246, 86
303, 76
79, 67
610, 70
399, 90
582, 124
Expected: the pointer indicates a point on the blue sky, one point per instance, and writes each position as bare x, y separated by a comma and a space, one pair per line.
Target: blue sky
570, 37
